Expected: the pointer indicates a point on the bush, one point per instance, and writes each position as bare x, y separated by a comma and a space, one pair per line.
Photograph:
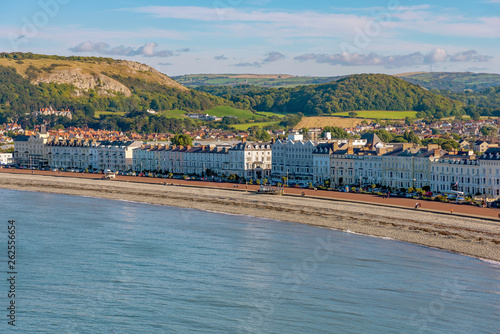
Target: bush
442, 199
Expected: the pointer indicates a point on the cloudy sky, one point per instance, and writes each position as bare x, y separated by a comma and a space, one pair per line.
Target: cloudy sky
313, 37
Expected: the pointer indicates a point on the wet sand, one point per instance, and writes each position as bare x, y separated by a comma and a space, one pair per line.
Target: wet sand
477, 237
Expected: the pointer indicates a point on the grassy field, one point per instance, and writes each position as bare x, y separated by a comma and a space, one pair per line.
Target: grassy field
382, 114
248, 125
320, 122
173, 113
270, 114
99, 113
266, 80
222, 111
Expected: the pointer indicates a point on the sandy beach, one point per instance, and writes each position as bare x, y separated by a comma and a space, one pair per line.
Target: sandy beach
470, 236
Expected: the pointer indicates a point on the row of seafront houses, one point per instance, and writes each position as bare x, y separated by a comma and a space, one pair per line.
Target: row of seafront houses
336, 163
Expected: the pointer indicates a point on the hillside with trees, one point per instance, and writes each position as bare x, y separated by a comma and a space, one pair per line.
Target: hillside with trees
452, 81
23, 90
356, 92
485, 102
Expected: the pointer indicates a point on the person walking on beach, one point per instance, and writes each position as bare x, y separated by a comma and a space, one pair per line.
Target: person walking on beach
416, 205
451, 211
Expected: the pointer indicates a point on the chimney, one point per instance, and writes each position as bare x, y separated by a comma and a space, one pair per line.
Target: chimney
335, 146
244, 139
273, 140
407, 146
437, 153
381, 150
350, 148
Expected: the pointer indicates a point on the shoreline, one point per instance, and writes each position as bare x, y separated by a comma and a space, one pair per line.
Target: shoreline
476, 237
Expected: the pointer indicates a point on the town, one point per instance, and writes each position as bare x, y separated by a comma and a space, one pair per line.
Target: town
303, 158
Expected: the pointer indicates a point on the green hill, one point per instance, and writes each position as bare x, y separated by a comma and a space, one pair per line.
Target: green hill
85, 85
452, 81
355, 92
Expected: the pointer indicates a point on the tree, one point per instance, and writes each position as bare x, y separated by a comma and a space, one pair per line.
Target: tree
182, 140
447, 147
336, 132
353, 114
384, 135
89, 111
410, 137
259, 134
408, 120
489, 130
435, 131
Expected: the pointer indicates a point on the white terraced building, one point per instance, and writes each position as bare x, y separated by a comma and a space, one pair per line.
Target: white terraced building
251, 160
79, 154
116, 155
246, 159
5, 158
293, 159
408, 167
322, 162
489, 164
29, 151
448, 171
344, 162
355, 167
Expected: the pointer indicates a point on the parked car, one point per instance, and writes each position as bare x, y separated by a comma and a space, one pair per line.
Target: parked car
495, 204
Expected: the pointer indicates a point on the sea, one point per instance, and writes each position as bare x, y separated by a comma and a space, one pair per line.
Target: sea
90, 265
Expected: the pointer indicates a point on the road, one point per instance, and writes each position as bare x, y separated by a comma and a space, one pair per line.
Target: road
445, 208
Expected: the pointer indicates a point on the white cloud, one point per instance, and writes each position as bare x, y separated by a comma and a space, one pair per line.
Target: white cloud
308, 19
273, 56
147, 50
437, 55
412, 18
248, 64
470, 55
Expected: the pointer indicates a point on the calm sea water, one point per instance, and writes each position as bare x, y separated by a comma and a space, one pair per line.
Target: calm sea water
89, 265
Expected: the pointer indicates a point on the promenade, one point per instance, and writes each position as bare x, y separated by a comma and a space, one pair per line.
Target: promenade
406, 203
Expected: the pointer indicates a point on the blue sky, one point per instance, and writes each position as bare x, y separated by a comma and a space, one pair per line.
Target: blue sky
264, 36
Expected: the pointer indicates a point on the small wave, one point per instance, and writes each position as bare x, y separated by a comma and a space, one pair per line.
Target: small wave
368, 235
493, 262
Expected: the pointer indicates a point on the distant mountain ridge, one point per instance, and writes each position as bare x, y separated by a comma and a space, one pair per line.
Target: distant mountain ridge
452, 81
262, 80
